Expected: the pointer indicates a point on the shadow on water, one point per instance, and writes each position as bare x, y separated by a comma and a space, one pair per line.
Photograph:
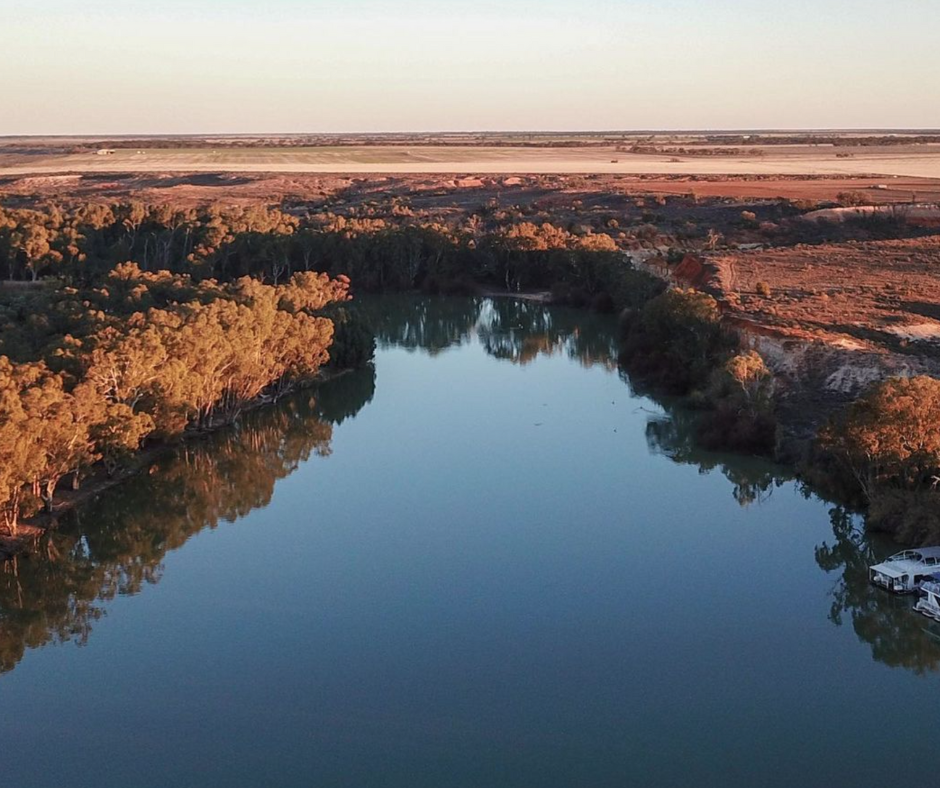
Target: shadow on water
116, 545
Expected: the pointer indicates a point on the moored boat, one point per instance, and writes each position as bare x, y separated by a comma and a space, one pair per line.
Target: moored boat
904, 572
929, 602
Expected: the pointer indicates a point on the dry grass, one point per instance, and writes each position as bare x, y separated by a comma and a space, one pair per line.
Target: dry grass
877, 294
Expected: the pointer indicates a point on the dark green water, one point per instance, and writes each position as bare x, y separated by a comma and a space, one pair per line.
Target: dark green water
486, 562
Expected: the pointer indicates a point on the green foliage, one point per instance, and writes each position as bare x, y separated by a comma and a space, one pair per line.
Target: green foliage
353, 338
910, 516
676, 343
890, 437
675, 340
83, 244
742, 406
223, 305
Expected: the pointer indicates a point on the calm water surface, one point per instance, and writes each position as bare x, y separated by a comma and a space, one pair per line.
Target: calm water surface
484, 562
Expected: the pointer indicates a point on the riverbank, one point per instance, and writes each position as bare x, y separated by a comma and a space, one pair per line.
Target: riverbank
824, 359
31, 529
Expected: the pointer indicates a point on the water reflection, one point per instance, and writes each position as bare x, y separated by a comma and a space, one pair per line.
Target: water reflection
673, 435
520, 331
417, 322
346, 395
898, 636
508, 329
117, 544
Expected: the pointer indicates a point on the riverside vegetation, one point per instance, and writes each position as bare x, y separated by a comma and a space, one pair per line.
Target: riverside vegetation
222, 306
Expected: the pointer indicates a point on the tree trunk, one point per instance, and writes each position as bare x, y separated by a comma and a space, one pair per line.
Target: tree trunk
49, 494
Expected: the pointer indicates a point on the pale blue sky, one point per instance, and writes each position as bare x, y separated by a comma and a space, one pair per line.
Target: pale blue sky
178, 66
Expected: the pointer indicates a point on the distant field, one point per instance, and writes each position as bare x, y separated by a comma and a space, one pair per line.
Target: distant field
914, 161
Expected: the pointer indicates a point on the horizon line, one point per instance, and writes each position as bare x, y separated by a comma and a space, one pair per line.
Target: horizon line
491, 132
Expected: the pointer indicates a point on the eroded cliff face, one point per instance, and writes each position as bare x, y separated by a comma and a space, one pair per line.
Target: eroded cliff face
822, 352
817, 377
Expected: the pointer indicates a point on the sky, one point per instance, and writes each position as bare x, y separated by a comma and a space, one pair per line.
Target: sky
268, 66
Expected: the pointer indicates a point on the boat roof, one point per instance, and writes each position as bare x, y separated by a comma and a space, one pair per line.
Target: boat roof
925, 552
929, 556
907, 562
888, 570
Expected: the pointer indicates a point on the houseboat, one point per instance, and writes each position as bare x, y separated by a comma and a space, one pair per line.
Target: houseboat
929, 602
904, 572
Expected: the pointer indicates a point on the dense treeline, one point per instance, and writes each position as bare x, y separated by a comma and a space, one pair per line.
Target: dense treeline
242, 278
89, 375
885, 450
220, 306
82, 244
882, 452
677, 343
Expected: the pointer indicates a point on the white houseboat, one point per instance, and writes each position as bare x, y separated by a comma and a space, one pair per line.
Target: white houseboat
929, 602
903, 573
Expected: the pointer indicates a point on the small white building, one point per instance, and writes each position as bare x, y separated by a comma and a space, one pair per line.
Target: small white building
105, 152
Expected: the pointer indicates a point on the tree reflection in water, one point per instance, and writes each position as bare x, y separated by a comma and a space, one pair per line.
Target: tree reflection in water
418, 322
673, 435
509, 329
117, 544
520, 331
898, 636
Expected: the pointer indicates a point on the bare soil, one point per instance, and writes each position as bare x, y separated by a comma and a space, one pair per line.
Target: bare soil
881, 295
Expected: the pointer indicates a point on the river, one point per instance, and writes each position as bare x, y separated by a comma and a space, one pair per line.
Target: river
487, 560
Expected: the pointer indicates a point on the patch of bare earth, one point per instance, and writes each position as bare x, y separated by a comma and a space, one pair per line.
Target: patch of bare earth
878, 295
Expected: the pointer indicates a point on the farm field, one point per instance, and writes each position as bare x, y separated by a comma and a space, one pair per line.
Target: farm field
908, 161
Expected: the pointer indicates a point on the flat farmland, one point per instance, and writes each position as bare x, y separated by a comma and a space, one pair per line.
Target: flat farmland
921, 161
